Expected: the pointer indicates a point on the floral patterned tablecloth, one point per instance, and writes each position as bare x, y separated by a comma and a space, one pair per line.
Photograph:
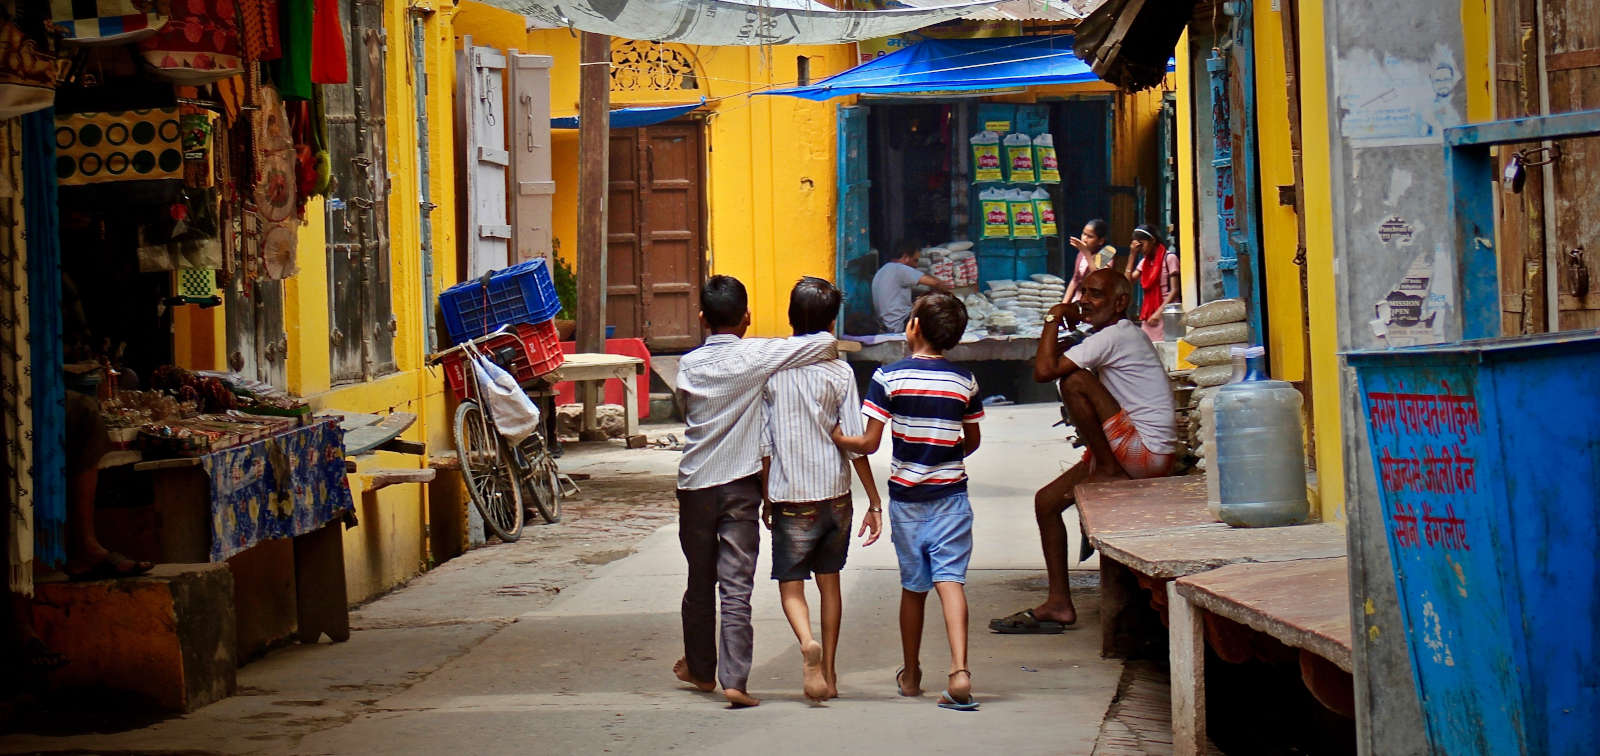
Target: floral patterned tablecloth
279, 487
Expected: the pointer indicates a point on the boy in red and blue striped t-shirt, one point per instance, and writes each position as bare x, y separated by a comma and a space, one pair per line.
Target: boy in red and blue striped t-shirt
932, 408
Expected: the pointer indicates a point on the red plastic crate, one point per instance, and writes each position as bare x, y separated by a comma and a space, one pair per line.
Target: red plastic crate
526, 351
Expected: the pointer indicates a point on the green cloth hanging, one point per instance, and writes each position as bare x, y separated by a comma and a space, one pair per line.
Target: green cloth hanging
292, 72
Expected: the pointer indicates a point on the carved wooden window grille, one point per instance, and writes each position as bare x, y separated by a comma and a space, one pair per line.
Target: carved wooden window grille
651, 67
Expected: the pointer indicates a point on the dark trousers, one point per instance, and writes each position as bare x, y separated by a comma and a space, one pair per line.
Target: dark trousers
719, 530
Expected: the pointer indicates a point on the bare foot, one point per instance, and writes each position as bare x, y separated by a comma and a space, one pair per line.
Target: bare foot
739, 699
961, 686
681, 670
816, 685
912, 676
833, 684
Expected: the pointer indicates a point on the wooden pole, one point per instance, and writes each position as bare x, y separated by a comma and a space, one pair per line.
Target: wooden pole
594, 162
594, 141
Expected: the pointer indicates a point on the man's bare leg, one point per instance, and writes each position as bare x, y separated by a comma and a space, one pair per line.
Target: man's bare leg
681, 670
1049, 505
1089, 405
832, 615
912, 607
793, 595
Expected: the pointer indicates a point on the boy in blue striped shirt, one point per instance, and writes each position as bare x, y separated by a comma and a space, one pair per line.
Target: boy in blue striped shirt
933, 410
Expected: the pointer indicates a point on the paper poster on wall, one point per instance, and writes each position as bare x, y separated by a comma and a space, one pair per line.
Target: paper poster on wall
1417, 310
1386, 101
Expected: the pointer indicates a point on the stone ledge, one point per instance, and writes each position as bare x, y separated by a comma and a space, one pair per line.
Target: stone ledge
167, 637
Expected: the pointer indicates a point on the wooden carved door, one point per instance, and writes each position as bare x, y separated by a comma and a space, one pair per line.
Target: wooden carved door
654, 238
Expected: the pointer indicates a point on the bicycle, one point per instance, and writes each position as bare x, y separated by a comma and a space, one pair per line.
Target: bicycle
501, 478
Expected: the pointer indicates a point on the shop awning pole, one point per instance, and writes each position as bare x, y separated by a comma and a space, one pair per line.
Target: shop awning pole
594, 140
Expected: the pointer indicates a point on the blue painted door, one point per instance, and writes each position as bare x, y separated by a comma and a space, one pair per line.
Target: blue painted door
855, 263
1083, 143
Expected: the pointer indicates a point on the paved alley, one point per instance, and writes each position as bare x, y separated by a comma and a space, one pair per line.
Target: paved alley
564, 641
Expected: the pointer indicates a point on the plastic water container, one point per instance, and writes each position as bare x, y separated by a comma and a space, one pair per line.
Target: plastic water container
1260, 455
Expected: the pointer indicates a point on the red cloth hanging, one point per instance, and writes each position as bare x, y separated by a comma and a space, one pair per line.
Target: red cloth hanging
329, 64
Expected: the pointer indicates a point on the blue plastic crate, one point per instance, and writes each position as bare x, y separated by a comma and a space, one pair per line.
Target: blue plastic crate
522, 293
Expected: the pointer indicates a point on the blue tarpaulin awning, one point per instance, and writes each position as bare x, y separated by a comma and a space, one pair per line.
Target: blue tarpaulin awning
627, 118
945, 65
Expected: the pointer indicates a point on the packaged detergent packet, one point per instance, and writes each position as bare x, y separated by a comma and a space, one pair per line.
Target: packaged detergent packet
1045, 212
1019, 159
986, 158
996, 215
1044, 155
1024, 220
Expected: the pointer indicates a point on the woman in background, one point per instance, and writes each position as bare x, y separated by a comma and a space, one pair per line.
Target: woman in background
1156, 276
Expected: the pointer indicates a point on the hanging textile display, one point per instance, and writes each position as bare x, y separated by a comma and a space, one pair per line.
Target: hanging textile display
727, 22
199, 44
16, 389
106, 22
274, 200
95, 148
329, 63
28, 72
292, 72
42, 221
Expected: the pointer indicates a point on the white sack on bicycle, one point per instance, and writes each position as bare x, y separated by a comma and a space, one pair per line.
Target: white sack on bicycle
514, 415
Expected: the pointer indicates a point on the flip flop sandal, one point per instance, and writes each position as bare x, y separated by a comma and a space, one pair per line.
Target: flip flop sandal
947, 701
1025, 623
106, 569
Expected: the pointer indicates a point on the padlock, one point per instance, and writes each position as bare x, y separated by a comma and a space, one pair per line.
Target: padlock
1515, 174
1577, 273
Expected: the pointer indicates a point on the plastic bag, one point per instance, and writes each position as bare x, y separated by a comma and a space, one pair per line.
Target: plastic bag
1044, 153
515, 416
996, 217
986, 157
1019, 159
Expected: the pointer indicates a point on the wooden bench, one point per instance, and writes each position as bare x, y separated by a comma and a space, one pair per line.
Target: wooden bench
590, 372
1304, 604
1288, 583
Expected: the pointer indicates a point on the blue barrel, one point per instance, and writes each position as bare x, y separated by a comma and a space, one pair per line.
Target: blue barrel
1487, 459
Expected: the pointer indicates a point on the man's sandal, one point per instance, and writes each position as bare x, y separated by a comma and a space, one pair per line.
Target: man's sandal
947, 701
1026, 623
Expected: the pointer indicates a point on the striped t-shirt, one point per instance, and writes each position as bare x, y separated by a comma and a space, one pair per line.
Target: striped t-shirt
924, 401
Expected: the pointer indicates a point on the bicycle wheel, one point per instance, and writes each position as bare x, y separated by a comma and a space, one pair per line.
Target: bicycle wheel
541, 486
490, 471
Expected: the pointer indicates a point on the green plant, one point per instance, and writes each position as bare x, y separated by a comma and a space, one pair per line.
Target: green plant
566, 288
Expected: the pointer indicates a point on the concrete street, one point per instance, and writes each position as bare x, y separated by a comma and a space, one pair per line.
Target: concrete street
564, 641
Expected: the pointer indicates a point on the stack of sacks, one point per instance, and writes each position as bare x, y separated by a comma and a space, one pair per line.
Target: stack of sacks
1038, 297
1214, 329
1003, 294
978, 310
1055, 288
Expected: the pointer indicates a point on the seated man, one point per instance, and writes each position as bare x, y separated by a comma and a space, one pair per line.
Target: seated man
1116, 392
892, 285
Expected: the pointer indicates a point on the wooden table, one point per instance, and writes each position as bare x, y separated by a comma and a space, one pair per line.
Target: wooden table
590, 372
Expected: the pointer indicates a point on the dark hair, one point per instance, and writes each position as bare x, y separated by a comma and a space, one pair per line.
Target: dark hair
813, 304
942, 318
907, 247
723, 301
1148, 231
1099, 227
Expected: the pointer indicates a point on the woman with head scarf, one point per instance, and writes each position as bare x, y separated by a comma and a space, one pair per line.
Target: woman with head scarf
1156, 275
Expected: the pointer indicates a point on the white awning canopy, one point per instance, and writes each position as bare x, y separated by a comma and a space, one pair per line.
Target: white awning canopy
727, 22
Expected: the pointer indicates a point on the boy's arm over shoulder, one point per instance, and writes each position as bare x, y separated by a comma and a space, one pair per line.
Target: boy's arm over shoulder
768, 356
971, 436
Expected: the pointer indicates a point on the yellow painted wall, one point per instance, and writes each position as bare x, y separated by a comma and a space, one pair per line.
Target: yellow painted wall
390, 545
1287, 338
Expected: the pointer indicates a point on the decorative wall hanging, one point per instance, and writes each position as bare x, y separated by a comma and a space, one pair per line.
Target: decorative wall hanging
199, 44
28, 72
130, 145
102, 22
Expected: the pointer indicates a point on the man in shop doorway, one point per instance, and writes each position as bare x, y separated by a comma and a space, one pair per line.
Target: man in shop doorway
891, 288
1115, 390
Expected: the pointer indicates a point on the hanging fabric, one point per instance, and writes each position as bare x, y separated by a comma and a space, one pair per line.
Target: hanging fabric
329, 63
107, 22
292, 72
16, 389
199, 44
274, 197
28, 72
259, 25
41, 219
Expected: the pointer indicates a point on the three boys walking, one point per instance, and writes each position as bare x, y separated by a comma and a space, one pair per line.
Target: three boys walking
774, 425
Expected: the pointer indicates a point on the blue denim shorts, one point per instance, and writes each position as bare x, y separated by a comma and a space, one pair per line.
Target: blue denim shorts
933, 540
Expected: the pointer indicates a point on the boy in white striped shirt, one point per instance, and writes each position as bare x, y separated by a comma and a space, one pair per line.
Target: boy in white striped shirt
807, 503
